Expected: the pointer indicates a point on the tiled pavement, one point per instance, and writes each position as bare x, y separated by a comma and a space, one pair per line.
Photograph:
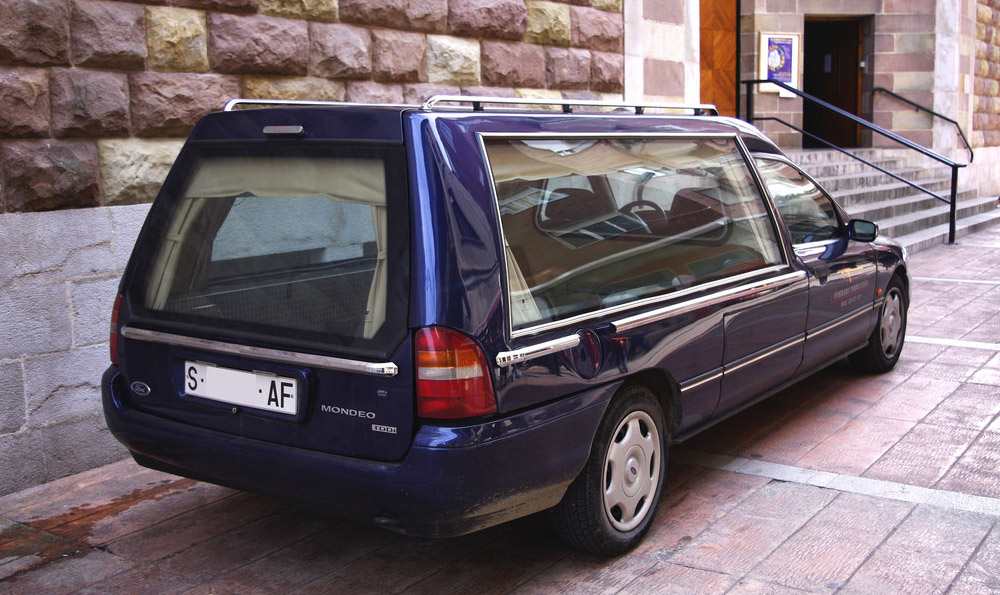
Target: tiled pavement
844, 482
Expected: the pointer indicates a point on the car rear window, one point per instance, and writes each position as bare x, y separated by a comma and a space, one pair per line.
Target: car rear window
298, 242
591, 224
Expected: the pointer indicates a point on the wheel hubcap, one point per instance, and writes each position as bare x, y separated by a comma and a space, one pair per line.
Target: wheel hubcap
891, 324
631, 471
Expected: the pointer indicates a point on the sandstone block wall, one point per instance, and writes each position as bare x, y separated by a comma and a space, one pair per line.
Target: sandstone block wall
86, 85
986, 98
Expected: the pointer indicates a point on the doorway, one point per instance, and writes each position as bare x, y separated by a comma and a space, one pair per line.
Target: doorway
834, 70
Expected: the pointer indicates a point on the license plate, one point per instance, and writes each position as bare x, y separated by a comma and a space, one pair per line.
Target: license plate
258, 390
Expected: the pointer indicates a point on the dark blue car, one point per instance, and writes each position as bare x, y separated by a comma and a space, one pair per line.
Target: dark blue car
440, 318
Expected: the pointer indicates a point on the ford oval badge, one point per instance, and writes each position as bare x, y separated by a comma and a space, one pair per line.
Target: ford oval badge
140, 388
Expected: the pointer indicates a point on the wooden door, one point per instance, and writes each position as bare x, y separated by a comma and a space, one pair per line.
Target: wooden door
719, 31
832, 73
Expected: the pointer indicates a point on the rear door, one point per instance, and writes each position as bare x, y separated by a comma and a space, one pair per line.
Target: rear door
259, 301
841, 271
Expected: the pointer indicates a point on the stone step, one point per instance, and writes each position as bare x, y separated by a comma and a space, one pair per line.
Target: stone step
968, 202
871, 177
893, 190
908, 223
938, 234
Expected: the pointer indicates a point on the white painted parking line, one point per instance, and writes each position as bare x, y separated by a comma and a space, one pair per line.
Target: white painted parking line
947, 280
953, 343
843, 483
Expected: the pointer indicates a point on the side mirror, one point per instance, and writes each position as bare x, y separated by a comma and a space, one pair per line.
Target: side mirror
861, 230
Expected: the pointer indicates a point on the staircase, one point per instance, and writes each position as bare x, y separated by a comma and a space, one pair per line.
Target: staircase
911, 217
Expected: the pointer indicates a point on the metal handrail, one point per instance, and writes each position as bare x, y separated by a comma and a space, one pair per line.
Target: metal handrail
916, 105
953, 201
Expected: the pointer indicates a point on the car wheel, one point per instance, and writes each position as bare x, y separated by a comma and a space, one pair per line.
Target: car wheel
610, 506
886, 342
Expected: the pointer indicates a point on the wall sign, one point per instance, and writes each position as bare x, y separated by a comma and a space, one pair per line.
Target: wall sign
779, 60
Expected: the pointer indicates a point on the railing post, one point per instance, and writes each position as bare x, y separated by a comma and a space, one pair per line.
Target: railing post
749, 114
953, 208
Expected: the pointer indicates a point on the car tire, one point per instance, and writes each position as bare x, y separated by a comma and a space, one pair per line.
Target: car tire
886, 341
609, 507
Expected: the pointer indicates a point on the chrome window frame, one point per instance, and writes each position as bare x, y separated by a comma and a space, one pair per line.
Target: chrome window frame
748, 160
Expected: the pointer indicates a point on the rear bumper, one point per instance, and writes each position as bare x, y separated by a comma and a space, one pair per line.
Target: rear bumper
452, 481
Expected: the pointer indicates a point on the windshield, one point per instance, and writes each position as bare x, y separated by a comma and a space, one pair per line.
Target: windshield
297, 242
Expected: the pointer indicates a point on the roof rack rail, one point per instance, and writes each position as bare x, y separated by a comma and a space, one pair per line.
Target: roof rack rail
567, 104
232, 104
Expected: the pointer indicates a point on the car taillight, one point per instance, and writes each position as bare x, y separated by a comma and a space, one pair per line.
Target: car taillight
453, 379
114, 329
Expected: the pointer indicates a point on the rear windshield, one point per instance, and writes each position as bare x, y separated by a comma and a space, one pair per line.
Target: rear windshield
301, 243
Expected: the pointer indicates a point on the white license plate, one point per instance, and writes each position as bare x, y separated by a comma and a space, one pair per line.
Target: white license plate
250, 389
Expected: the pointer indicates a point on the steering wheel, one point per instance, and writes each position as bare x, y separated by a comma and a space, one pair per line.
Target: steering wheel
642, 203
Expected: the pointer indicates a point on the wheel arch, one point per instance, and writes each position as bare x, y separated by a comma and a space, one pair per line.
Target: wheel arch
665, 390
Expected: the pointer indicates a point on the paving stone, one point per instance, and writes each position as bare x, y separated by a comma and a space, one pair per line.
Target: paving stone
796, 436
915, 398
923, 456
141, 580
980, 574
695, 504
924, 555
672, 578
978, 469
970, 406
857, 445
184, 531
69, 574
585, 574
833, 544
765, 519
497, 562
304, 561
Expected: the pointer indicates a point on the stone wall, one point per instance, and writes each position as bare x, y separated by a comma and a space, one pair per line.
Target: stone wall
58, 279
96, 94
986, 100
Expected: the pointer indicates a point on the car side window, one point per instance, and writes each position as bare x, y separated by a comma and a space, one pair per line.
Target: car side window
808, 212
599, 223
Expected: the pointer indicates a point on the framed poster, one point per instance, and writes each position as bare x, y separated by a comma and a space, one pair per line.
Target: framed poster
779, 60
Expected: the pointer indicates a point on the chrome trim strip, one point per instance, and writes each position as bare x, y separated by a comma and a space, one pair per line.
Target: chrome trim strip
752, 359
829, 326
631, 322
382, 369
508, 358
531, 330
698, 381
